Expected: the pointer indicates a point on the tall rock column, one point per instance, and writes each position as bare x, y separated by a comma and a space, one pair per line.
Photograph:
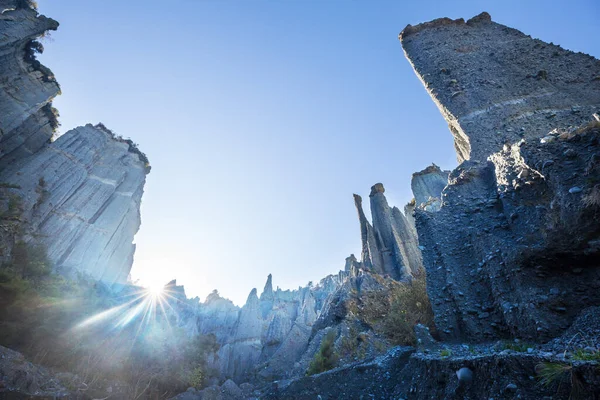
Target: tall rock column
513, 249
390, 246
496, 85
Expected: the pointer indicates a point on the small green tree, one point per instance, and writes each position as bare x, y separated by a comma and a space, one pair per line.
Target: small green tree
326, 358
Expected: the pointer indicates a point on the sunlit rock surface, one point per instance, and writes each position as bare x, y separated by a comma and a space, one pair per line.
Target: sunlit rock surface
26, 87
427, 186
389, 246
80, 197
494, 84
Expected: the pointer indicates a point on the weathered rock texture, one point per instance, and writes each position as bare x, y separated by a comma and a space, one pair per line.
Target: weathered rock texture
80, 197
427, 186
514, 248
389, 246
494, 84
26, 87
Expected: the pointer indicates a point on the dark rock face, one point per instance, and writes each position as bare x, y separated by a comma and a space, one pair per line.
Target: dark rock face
514, 249
27, 88
389, 246
494, 84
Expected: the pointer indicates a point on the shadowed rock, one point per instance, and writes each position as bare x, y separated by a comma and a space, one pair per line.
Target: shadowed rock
514, 249
26, 87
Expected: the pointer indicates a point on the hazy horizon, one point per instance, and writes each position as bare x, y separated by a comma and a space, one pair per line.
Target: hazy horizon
261, 119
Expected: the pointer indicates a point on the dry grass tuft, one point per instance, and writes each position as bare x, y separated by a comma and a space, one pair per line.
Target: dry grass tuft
592, 199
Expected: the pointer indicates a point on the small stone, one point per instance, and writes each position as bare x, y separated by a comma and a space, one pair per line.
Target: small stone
575, 189
464, 375
570, 153
529, 350
511, 387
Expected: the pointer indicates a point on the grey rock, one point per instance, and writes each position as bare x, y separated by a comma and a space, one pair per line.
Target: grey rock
487, 256
427, 187
80, 198
28, 88
389, 246
464, 375
497, 72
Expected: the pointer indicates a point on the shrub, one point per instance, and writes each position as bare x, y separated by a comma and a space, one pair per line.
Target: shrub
410, 306
325, 359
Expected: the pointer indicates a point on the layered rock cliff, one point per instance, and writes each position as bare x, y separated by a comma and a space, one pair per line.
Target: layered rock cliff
26, 87
514, 248
79, 196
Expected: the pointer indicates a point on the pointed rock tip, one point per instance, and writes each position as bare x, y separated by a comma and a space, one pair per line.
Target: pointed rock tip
410, 29
377, 188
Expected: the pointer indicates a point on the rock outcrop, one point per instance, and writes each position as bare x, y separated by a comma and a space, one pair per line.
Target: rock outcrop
427, 186
26, 87
389, 246
496, 85
80, 197
514, 249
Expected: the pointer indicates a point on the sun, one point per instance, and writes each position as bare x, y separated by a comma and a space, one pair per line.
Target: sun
156, 290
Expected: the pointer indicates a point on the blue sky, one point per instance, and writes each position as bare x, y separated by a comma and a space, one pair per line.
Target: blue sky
261, 118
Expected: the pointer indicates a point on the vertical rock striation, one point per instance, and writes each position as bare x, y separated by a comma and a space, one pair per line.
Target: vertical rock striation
514, 249
26, 87
389, 246
80, 198
269, 333
494, 84
427, 186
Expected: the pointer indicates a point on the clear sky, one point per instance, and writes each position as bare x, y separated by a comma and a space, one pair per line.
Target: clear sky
261, 118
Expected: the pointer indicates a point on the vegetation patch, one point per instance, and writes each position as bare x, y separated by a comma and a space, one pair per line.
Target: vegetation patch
326, 358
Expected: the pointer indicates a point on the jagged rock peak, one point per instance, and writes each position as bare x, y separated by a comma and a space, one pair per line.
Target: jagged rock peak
252, 298
389, 246
376, 188
81, 197
410, 29
267, 293
26, 86
523, 88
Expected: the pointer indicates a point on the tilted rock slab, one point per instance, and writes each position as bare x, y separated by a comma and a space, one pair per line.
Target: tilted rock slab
80, 198
26, 87
514, 249
494, 84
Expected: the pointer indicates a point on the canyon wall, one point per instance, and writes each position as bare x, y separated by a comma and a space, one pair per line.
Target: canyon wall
78, 196
514, 248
